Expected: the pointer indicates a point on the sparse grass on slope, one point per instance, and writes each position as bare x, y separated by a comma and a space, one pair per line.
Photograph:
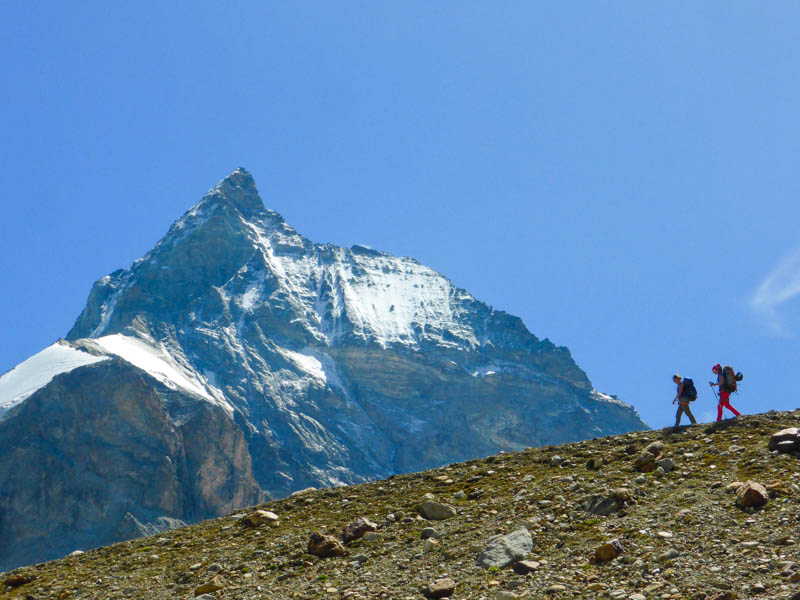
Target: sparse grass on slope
717, 546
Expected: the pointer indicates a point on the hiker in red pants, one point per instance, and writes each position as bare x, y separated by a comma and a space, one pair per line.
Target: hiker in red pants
724, 392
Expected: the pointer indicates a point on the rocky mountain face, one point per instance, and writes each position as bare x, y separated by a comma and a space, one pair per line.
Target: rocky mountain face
707, 513
238, 358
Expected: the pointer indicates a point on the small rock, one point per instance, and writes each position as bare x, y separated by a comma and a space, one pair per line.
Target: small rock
556, 588
600, 505
460, 495
670, 554
666, 463
664, 534
18, 580
775, 486
504, 595
623, 494
594, 463
504, 550
357, 529
257, 518
428, 532
524, 567
556, 461
430, 545
637, 596
789, 568
303, 491
646, 461
441, 588
751, 494
608, 551
215, 584
324, 546
435, 511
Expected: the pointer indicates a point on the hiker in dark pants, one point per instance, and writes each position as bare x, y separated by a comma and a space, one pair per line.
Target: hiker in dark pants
724, 393
683, 398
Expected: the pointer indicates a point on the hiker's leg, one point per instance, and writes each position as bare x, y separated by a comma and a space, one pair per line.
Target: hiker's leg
730, 408
678, 415
689, 414
723, 401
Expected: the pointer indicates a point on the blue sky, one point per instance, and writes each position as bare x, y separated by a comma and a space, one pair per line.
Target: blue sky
621, 175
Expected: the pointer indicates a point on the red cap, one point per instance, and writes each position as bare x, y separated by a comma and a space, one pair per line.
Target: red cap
717, 367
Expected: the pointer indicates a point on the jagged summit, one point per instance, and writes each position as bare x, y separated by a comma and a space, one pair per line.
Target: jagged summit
239, 191
229, 244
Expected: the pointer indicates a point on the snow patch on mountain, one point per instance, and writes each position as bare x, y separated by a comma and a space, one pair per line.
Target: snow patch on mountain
387, 300
307, 363
248, 299
162, 366
28, 377
487, 370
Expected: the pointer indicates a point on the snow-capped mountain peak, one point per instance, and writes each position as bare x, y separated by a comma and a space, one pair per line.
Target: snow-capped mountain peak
318, 365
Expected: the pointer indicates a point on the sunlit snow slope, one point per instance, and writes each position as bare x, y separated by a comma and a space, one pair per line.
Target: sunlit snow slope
33, 374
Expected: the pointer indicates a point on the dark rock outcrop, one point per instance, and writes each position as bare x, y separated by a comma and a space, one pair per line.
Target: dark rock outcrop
94, 458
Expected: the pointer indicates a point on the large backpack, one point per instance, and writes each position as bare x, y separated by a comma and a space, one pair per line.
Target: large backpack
689, 391
731, 378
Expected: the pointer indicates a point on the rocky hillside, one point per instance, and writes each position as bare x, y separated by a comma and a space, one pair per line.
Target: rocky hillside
238, 358
709, 512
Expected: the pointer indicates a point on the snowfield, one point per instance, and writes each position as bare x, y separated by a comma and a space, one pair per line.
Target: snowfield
29, 376
161, 365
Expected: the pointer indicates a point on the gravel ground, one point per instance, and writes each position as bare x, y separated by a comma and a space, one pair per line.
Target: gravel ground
681, 531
